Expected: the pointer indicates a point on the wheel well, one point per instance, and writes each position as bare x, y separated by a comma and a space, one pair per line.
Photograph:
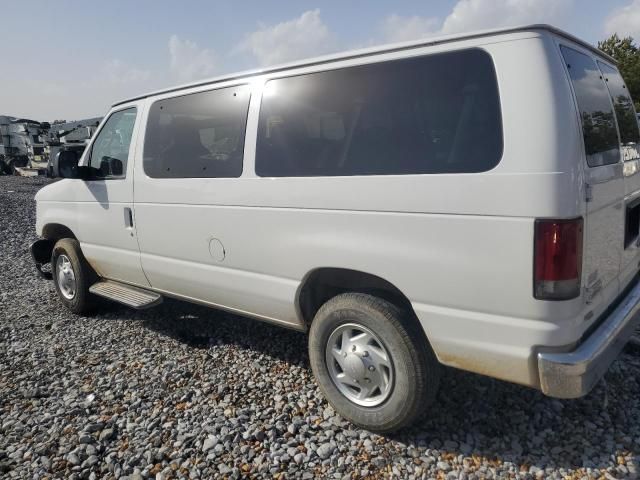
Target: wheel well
56, 231
325, 283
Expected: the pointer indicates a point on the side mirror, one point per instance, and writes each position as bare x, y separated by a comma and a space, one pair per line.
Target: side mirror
111, 167
68, 164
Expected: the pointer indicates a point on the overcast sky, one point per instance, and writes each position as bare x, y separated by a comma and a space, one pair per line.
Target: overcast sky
68, 59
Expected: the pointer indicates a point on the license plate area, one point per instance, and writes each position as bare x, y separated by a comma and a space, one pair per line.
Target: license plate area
632, 223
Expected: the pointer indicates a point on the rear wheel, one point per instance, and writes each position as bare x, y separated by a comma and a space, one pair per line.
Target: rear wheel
72, 276
372, 362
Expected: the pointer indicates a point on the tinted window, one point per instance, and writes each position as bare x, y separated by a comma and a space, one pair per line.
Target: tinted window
596, 112
110, 149
625, 112
197, 135
433, 114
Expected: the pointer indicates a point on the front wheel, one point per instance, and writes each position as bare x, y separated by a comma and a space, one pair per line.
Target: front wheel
372, 362
72, 276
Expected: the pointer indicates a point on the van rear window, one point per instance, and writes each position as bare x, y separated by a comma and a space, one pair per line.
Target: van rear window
430, 114
596, 113
625, 112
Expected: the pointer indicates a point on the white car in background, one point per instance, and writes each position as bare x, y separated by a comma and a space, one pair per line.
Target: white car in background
460, 201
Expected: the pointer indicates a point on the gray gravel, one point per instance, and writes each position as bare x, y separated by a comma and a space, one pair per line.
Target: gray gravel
181, 391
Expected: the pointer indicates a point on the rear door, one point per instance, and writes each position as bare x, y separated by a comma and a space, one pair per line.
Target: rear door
604, 181
629, 145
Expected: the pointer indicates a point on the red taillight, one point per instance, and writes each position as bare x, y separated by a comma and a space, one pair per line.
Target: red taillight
557, 259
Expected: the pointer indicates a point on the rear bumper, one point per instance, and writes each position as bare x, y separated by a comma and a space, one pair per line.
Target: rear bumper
573, 374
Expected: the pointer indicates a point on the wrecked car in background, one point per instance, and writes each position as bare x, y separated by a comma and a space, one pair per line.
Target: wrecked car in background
22, 145
30, 148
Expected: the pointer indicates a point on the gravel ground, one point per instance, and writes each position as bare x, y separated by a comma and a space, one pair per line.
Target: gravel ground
181, 391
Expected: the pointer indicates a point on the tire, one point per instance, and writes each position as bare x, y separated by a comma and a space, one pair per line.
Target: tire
412, 374
78, 299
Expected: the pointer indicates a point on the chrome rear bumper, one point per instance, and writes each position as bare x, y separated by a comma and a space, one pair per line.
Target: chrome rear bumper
573, 374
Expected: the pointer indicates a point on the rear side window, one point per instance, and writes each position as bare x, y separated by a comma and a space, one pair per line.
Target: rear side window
197, 136
623, 105
432, 114
598, 125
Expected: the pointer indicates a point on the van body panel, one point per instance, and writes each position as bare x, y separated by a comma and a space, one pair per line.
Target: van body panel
447, 226
445, 42
459, 246
629, 134
604, 215
106, 232
96, 212
56, 204
604, 231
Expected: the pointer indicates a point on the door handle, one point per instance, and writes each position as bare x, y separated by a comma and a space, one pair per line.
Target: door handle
128, 217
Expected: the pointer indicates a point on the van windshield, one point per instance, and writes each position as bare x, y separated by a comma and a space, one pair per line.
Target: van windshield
598, 124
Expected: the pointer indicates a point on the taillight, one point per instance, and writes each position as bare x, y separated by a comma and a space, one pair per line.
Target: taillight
557, 259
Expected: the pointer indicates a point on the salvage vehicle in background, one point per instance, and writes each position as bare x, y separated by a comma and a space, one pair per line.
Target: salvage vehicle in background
389, 201
22, 145
31, 148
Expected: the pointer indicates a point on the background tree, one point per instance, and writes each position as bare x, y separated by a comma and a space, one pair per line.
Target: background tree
627, 54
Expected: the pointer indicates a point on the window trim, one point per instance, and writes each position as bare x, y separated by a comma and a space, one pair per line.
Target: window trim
376, 61
103, 124
250, 93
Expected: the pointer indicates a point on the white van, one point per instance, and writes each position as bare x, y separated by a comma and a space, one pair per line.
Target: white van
472, 201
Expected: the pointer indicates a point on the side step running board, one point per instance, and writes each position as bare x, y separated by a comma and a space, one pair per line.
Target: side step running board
126, 294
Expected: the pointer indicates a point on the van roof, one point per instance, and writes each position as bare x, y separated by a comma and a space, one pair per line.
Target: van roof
347, 55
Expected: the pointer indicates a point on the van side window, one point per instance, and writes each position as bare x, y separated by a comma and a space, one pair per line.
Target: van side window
598, 125
110, 149
200, 135
623, 105
431, 114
